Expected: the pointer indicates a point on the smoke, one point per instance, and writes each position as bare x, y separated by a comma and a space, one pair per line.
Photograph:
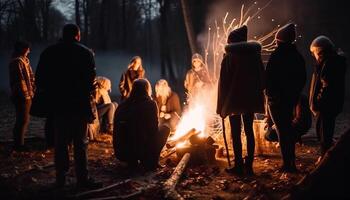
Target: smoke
110, 64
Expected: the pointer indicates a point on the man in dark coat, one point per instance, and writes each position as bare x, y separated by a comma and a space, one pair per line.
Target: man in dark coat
240, 92
66, 74
285, 79
137, 138
22, 91
327, 88
168, 103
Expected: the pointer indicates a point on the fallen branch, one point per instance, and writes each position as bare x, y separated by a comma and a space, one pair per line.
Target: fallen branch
170, 184
96, 191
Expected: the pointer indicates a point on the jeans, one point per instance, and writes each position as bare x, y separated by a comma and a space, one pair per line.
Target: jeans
325, 124
236, 124
70, 128
107, 110
282, 116
22, 107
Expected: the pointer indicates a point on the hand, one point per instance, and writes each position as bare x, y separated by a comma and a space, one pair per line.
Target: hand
163, 108
167, 116
161, 114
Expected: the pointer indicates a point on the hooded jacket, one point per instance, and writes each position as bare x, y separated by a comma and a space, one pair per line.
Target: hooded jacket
241, 83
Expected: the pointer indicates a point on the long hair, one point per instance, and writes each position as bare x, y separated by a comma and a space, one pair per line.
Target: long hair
162, 88
141, 87
132, 63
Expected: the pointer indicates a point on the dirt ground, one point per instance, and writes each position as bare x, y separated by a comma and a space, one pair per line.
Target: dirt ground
31, 175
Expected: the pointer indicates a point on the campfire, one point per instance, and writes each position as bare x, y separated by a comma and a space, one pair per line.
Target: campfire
193, 134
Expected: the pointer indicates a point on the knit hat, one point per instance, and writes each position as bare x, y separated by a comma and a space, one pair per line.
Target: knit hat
286, 33
323, 43
238, 35
197, 56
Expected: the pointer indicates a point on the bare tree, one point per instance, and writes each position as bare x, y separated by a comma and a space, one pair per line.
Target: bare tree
189, 27
77, 12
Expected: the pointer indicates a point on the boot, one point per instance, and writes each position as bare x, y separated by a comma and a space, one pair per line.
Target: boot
89, 184
109, 130
237, 169
248, 166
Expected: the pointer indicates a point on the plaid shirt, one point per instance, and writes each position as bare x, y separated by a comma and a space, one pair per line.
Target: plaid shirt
21, 78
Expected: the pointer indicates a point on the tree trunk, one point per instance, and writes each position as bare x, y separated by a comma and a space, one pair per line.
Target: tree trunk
86, 12
77, 12
188, 25
124, 28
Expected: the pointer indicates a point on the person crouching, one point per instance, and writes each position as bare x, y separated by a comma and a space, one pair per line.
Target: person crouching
137, 139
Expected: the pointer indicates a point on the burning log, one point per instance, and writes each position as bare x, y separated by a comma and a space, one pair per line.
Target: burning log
170, 184
172, 143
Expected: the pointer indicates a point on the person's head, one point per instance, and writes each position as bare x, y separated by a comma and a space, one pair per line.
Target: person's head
141, 87
21, 48
286, 34
197, 62
321, 47
238, 35
162, 88
71, 32
104, 83
135, 63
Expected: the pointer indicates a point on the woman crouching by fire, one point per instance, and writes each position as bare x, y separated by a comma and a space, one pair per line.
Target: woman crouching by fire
168, 104
137, 139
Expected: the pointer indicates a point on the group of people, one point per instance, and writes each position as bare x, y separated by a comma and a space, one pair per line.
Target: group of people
245, 83
67, 92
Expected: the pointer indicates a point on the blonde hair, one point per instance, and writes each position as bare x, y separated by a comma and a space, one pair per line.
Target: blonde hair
162, 84
104, 83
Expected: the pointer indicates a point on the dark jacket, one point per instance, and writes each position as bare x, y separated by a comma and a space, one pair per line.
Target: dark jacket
65, 78
126, 80
285, 75
328, 85
241, 82
21, 78
172, 104
135, 129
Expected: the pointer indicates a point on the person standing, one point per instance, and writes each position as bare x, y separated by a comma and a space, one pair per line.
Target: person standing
135, 70
327, 89
66, 74
240, 93
197, 78
285, 79
22, 91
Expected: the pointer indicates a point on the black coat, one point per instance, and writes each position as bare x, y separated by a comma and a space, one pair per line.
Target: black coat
285, 75
136, 129
65, 77
241, 83
328, 85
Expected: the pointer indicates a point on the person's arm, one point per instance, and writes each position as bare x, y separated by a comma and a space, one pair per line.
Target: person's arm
222, 86
272, 77
18, 84
122, 84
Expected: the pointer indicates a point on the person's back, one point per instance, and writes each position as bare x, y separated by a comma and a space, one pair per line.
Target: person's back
241, 79
71, 70
286, 74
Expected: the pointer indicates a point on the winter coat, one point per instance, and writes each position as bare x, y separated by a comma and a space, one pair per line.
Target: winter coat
135, 129
126, 80
171, 106
21, 78
241, 82
285, 75
196, 80
328, 85
65, 79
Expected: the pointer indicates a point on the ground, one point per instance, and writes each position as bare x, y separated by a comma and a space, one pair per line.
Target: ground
30, 175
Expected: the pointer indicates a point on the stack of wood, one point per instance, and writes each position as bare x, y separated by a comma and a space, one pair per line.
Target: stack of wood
201, 148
